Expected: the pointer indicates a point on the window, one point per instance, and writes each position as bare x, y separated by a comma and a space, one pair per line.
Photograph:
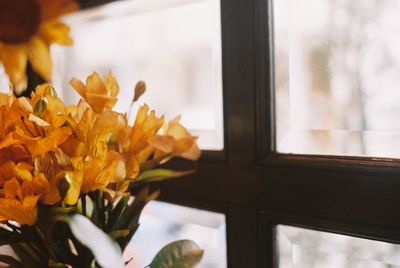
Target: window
257, 183
162, 223
173, 45
300, 247
336, 66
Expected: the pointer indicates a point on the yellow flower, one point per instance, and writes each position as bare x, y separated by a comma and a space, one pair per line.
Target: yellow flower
92, 133
42, 187
99, 94
50, 153
16, 204
133, 142
47, 106
21, 170
8, 137
27, 29
145, 127
93, 174
40, 143
21, 126
176, 141
101, 130
48, 170
17, 153
98, 173
95, 165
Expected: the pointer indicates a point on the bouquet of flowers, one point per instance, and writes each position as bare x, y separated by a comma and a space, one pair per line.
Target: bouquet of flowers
74, 179
67, 174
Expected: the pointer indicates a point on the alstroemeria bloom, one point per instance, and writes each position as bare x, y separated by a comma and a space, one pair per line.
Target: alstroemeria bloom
93, 174
100, 95
37, 135
177, 141
95, 165
16, 204
134, 141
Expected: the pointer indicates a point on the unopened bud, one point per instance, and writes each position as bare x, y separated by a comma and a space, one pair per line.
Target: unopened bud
140, 88
40, 106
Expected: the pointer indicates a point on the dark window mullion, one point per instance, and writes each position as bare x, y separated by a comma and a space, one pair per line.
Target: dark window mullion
238, 80
265, 96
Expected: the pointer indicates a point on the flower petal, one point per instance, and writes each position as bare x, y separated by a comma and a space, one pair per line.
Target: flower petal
39, 57
14, 59
54, 8
54, 31
78, 86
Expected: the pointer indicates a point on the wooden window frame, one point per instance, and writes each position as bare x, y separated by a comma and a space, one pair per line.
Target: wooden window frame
257, 188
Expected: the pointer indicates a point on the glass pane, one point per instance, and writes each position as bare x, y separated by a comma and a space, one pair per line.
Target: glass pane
337, 76
173, 45
162, 223
4, 82
303, 248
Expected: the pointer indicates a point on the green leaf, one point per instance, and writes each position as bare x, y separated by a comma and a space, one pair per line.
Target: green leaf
130, 216
150, 164
119, 233
24, 255
53, 264
10, 261
61, 210
105, 250
178, 254
117, 211
154, 175
8, 237
132, 211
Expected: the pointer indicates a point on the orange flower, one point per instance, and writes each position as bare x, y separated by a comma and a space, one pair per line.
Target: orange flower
41, 141
21, 170
133, 141
176, 141
49, 169
50, 153
145, 127
93, 174
98, 173
99, 94
36, 134
17, 204
42, 187
95, 165
27, 29
48, 106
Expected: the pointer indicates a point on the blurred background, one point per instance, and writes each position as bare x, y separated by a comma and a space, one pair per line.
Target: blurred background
337, 67
304, 248
174, 46
162, 223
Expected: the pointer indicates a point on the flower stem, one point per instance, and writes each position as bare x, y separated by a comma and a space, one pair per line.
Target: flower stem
45, 243
83, 199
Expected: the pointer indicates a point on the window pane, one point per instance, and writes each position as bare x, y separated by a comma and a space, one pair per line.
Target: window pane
162, 223
173, 45
337, 76
4, 82
302, 248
